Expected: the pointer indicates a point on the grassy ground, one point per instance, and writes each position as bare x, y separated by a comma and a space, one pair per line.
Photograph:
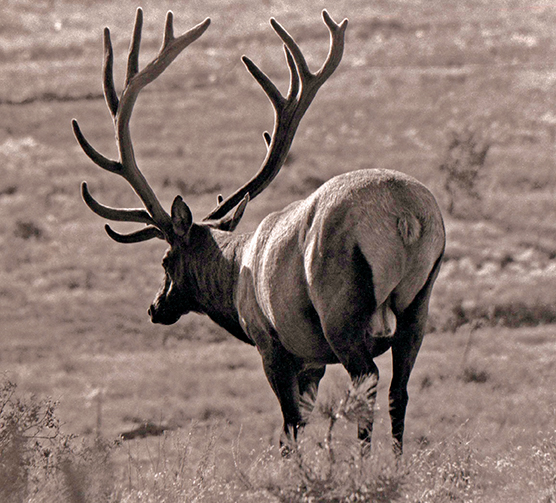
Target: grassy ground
73, 321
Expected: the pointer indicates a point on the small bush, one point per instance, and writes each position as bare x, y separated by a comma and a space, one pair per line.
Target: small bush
28, 230
471, 373
9, 190
463, 165
29, 438
40, 463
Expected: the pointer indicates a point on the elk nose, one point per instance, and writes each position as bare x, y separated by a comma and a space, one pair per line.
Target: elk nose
153, 314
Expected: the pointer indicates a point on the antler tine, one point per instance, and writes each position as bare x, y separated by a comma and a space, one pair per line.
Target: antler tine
121, 110
294, 75
134, 46
116, 214
110, 94
288, 111
92, 153
170, 49
337, 34
145, 234
302, 67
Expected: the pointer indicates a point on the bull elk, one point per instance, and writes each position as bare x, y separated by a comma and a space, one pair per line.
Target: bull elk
339, 277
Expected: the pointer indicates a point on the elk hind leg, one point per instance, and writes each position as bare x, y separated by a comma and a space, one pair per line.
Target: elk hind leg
308, 384
345, 330
346, 305
407, 342
365, 390
404, 353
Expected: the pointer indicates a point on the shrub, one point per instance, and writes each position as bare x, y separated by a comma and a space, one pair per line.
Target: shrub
40, 463
28, 431
28, 230
462, 167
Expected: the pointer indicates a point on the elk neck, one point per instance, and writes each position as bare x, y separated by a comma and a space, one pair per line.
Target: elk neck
213, 265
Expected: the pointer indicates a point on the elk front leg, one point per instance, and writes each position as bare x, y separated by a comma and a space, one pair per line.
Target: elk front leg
282, 369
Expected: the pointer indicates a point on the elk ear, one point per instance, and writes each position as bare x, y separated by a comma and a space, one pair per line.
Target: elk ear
182, 219
229, 223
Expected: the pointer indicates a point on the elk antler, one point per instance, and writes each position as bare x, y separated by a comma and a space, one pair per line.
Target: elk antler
287, 111
158, 220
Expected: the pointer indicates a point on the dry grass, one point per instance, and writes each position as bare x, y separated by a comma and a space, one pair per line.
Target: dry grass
202, 462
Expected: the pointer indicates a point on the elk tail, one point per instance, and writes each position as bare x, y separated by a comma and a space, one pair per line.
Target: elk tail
409, 228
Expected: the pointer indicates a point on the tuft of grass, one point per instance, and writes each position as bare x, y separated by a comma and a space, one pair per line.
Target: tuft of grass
181, 467
324, 467
445, 472
544, 468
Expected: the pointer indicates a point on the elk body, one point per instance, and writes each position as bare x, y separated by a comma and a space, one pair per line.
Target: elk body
339, 277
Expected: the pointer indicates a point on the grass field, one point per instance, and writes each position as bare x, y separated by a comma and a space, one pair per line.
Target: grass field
73, 323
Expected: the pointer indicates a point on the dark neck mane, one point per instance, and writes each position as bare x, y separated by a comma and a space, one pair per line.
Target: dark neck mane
214, 276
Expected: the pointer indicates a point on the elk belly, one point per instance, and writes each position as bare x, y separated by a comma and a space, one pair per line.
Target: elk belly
383, 322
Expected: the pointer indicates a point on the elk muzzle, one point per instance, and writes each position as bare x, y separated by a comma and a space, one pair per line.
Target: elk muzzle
164, 309
162, 316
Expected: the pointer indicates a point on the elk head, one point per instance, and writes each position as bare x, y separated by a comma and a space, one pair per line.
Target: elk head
177, 294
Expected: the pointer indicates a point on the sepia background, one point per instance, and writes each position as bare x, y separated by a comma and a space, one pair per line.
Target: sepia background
459, 94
